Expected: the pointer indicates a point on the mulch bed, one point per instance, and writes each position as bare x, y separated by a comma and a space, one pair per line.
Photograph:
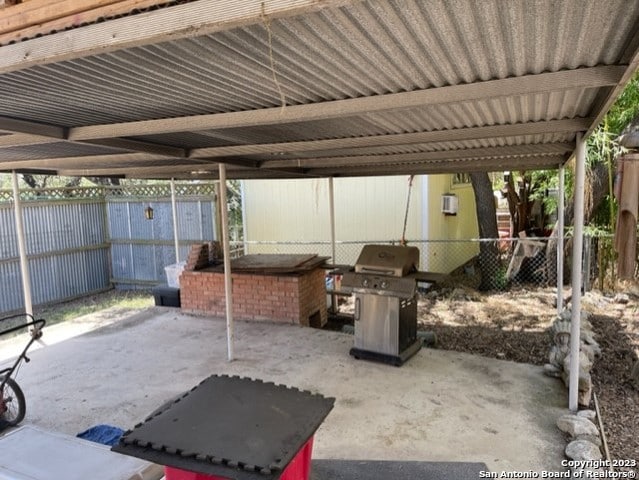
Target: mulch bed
517, 346
618, 399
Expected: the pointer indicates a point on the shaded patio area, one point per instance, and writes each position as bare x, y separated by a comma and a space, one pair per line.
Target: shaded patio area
308, 89
441, 406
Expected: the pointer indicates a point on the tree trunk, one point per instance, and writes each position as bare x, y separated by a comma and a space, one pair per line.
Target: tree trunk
519, 203
31, 181
487, 223
513, 200
596, 191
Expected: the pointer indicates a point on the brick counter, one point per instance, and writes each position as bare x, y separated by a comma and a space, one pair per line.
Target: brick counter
292, 298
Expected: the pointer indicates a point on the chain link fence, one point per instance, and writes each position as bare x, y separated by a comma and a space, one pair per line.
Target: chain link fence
508, 263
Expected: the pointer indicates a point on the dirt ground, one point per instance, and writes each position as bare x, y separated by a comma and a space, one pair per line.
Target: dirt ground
513, 326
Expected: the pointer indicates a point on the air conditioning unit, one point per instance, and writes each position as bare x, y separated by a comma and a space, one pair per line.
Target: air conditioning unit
450, 204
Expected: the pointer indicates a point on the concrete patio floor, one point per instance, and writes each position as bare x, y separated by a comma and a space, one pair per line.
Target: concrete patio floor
440, 406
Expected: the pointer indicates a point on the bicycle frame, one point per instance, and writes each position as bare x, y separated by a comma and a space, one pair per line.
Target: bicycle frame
35, 334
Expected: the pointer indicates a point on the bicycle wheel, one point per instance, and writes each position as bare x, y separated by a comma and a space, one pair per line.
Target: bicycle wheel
12, 404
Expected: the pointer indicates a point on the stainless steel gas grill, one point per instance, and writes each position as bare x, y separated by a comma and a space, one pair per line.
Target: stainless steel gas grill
385, 303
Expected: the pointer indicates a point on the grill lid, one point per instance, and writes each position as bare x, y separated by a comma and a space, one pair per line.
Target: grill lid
393, 260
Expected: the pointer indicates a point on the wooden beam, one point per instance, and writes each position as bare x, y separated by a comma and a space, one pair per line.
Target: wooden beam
473, 133
94, 160
171, 167
177, 167
232, 174
190, 19
460, 134
349, 160
475, 160
23, 140
299, 166
528, 163
13, 125
84, 17
32, 133
592, 77
24, 133
365, 160
432, 168
37, 12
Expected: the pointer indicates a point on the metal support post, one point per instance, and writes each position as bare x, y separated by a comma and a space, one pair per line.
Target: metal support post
228, 284
331, 212
576, 277
560, 240
22, 248
175, 222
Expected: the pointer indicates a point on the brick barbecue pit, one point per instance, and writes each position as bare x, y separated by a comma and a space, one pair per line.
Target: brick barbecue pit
283, 288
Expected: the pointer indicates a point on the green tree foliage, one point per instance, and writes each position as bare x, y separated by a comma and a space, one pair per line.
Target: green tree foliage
625, 109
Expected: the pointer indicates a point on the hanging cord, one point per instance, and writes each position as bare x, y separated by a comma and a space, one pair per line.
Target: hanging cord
403, 241
267, 25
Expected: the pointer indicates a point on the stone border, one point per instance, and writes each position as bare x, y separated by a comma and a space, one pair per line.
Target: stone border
584, 448
559, 356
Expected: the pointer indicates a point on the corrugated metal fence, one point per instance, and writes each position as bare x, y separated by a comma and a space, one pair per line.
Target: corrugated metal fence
140, 249
84, 240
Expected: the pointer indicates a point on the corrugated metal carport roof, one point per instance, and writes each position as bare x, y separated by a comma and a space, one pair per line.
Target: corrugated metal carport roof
295, 88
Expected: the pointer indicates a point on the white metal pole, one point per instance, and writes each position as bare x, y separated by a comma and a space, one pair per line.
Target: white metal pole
425, 219
228, 285
331, 207
244, 217
576, 276
560, 241
175, 222
22, 248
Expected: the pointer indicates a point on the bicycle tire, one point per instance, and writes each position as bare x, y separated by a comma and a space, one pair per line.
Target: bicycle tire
14, 404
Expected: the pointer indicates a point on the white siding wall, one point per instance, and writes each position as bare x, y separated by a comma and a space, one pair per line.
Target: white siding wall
366, 209
373, 208
286, 210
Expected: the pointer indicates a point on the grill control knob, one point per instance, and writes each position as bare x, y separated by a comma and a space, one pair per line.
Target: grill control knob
365, 282
384, 284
